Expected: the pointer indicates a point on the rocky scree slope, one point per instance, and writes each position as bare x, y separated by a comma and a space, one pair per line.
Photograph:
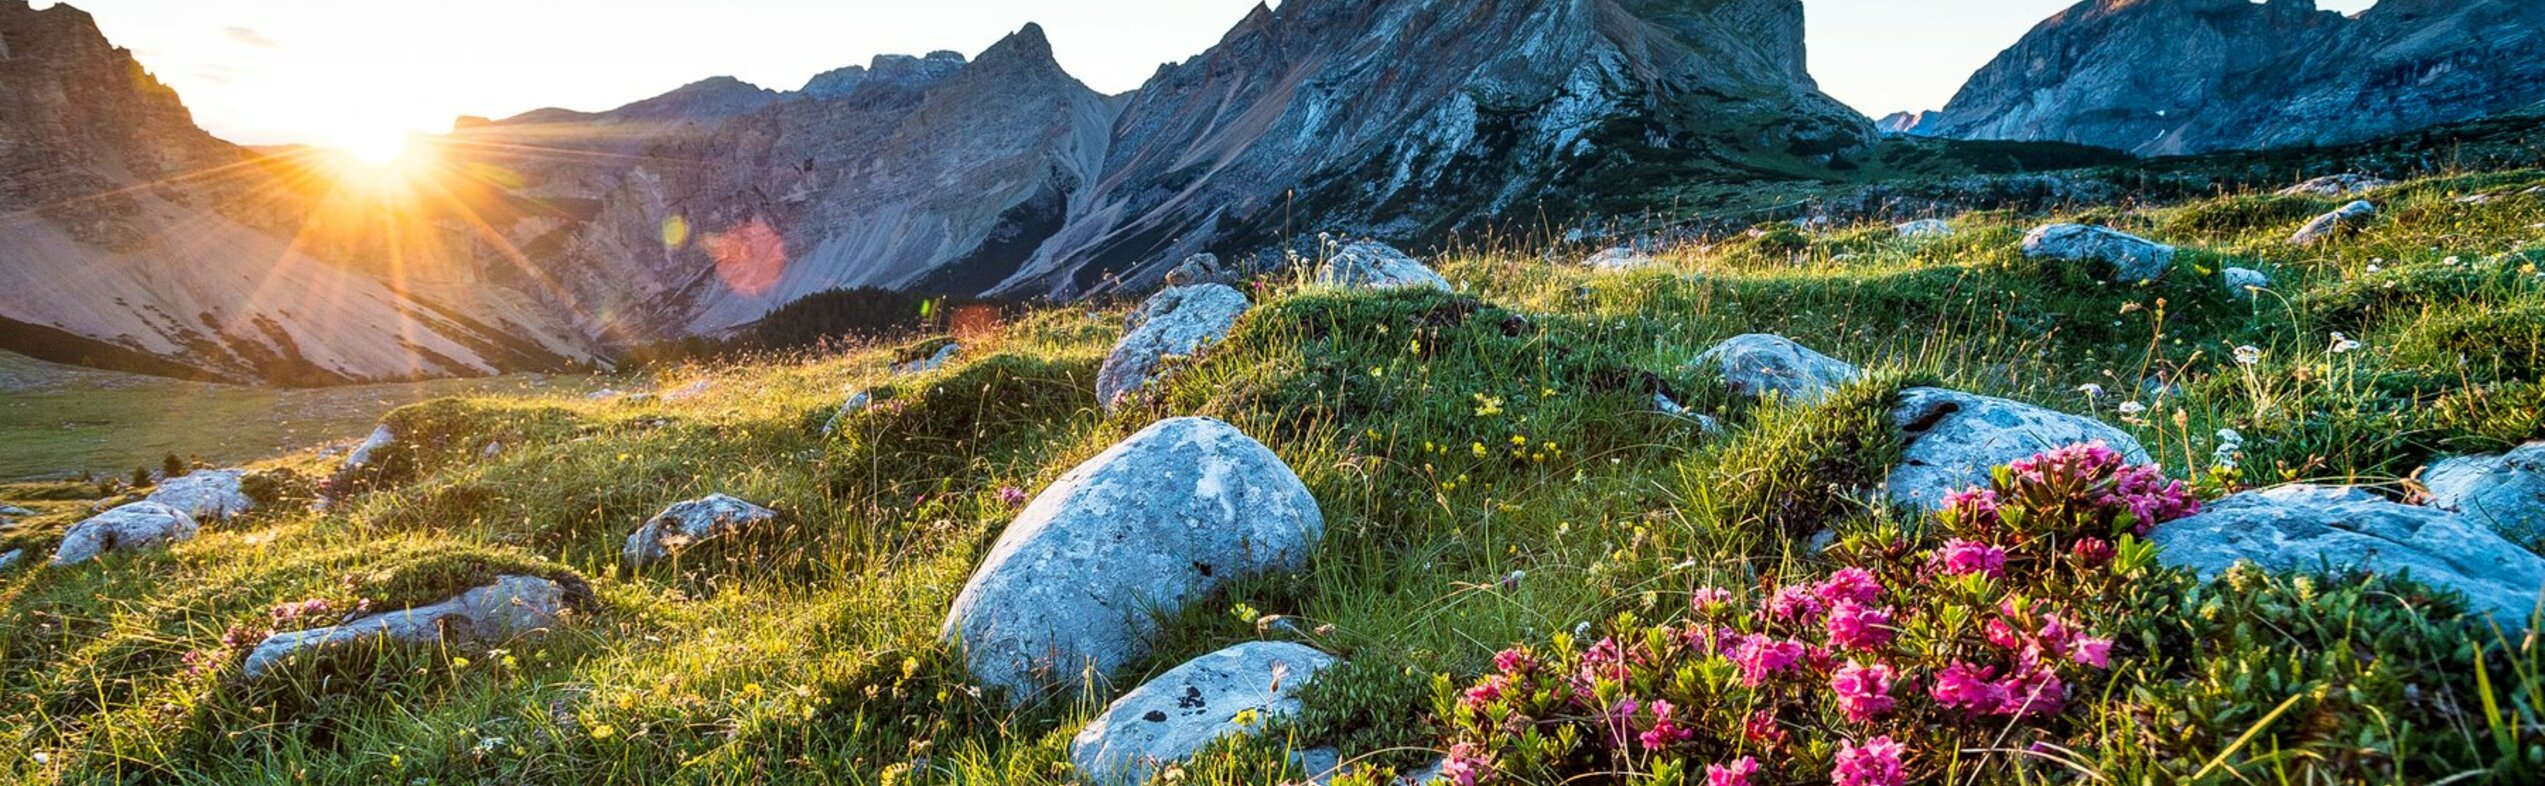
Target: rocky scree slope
2165, 77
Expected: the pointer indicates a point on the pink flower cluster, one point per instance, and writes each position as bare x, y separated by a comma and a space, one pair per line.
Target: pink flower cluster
1971, 558
2032, 687
2150, 497
1876, 762
310, 609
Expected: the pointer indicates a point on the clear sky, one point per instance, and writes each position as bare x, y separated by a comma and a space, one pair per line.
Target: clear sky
343, 71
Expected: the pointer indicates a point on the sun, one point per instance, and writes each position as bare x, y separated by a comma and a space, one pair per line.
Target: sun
376, 149
380, 161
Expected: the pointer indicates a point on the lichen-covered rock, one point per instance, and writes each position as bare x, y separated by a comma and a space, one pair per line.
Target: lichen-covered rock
2132, 258
134, 527
2505, 492
1619, 259
2336, 186
1924, 228
206, 495
1164, 518
1173, 717
1952, 440
1760, 365
1370, 264
2244, 282
686, 524
1177, 321
2306, 528
512, 607
381, 438
1200, 269
2330, 225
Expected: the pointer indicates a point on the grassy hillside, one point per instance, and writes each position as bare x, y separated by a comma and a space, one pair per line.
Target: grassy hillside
1493, 473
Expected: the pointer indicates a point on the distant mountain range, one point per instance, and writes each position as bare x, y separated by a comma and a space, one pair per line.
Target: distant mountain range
552, 236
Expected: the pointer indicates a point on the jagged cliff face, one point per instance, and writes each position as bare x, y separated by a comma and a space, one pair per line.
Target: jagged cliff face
2189, 76
130, 238
916, 173
1400, 118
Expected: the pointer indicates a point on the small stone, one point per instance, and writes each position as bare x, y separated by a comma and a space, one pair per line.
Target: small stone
945, 355
2330, 225
2244, 282
857, 402
206, 495
1759, 365
686, 524
1201, 269
1924, 228
2336, 186
11, 559
1167, 721
1619, 259
381, 438
134, 527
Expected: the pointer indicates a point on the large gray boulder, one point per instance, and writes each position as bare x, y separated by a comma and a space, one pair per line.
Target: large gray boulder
1173, 717
2133, 259
512, 607
2307, 528
134, 527
1177, 321
2325, 227
1953, 441
206, 495
2505, 492
1370, 264
1162, 519
1760, 365
688, 523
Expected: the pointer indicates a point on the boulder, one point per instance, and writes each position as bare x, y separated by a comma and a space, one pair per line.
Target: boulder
1173, 717
512, 607
1177, 321
2242, 282
2330, 225
1370, 264
2133, 258
1162, 519
685, 524
1705, 423
206, 495
2336, 186
1924, 228
381, 438
2505, 492
1759, 365
11, 559
2308, 528
1953, 440
134, 527
1619, 259
1201, 269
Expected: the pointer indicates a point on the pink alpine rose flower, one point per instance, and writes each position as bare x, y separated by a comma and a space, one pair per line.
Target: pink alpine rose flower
1736, 773
1878, 762
1864, 692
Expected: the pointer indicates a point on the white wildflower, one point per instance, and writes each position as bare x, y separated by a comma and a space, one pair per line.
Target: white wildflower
2248, 355
2133, 409
2229, 436
2091, 390
2343, 345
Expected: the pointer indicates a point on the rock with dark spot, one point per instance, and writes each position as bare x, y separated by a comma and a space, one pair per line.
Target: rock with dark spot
512, 607
135, 527
2505, 492
2132, 259
1953, 440
1370, 264
1233, 691
2310, 528
1077, 580
1176, 322
686, 524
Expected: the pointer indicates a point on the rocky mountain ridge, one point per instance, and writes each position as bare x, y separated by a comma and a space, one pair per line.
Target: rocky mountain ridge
2165, 77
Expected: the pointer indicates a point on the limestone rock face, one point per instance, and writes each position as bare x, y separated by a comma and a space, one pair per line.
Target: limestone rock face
1177, 321
1157, 521
1173, 717
512, 607
2132, 259
2505, 492
2305, 528
1759, 365
2163, 77
1955, 439
2330, 225
206, 495
686, 524
135, 527
1370, 264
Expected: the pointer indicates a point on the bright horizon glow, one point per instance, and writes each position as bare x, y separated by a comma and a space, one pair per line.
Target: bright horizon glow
361, 75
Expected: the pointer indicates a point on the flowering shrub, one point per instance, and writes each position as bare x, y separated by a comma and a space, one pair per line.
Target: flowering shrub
1900, 665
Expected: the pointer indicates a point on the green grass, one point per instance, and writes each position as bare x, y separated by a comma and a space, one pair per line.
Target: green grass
1490, 465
